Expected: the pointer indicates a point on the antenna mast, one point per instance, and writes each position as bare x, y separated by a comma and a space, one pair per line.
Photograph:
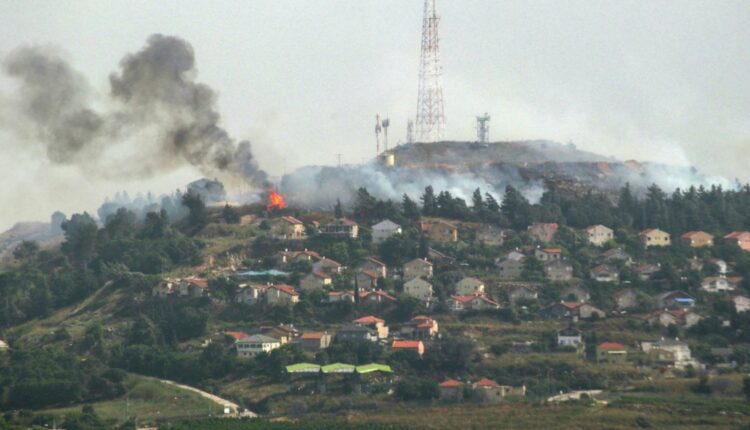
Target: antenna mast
430, 114
385, 123
377, 134
483, 128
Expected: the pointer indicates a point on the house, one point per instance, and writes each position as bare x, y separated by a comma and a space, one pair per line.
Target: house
489, 391
558, 270
376, 297
314, 341
605, 273
646, 271
548, 254
575, 293
587, 311
472, 302
315, 281
570, 336
697, 239
625, 299
440, 231
356, 333
543, 232
739, 238
420, 327
250, 294
329, 266
285, 333
164, 288
674, 299
374, 323
598, 234
193, 287
741, 303
522, 293
616, 254
417, 268
721, 266
451, 390
341, 296
281, 294
490, 235
571, 310
654, 237
367, 279
408, 345
715, 284
286, 257
253, 345
341, 227
676, 317
372, 264
668, 352
468, 286
287, 227
511, 266
420, 289
384, 229
3, 345
610, 352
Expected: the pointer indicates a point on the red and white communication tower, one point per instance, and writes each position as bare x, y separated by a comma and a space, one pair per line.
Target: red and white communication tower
430, 114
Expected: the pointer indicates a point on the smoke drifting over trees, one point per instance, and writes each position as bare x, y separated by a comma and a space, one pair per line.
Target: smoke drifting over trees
155, 118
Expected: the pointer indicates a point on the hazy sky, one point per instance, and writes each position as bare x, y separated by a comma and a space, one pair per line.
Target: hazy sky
303, 80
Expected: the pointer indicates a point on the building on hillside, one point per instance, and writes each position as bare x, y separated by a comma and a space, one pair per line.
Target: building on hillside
250, 294
490, 235
367, 279
558, 270
625, 299
285, 333
193, 287
569, 336
372, 264
548, 254
451, 390
543, 232
314, 341
374, 323
420, 327
605, 273
598, 234
511, 266
572, 310
575, 293
716, 284
328, 266
376, 298
356, 333
440, 231
739, 238
616, 254
287, 228
469, 285
610, 352
384, 229
341, 227
674, 299
420, 289
288, 257
741, 303
281, 294
668, 352
165, 288
253, 345
489, 391
654, 237
341, 296
697, 239
522, 293
645, 272
315, 281
408, 345
3, 345
417, 268
677, 317
473, 302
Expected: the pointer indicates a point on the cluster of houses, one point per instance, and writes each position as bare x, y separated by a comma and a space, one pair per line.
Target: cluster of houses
484, 390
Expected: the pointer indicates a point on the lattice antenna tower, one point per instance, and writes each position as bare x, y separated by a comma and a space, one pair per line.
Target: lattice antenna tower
385, 124
483, 128
430, 112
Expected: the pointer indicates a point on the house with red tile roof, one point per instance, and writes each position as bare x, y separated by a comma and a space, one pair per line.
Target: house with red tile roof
408, 345
374, 323
548, 254
281, 294
739, 238
451, 389
236, 335
420, 327
341, 227
329, 266
697, 239
314, 340
611, 352
315, 281
287, 227
474, 302
654, 237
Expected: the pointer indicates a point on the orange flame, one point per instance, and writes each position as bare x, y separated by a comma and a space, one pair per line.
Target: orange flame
275, 201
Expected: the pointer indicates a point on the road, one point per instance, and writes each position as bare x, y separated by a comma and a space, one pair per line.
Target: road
234, 407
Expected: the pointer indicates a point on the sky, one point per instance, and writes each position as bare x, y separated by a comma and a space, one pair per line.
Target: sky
303, 80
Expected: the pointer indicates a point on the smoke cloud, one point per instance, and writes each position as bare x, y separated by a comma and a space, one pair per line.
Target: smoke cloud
155, 118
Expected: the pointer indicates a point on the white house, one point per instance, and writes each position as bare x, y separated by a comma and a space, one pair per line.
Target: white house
281, 294
511, 266
569, 337
417, 268
715, 284
420, 289
384, 229
741, 303
468, 286
673, 352
250, 294
598, 235
254, 345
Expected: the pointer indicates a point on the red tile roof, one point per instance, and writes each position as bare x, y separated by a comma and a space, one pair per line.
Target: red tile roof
237, 335
611, 345
288, 289
450, 383
406, 344
321, 275
370, 319
313, 335
484, 382
201, 283
291, 220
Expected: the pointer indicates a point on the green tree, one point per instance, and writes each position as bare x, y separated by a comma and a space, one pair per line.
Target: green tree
230, 215
80, 238
197, 215
409, 209
26, 251
429, 205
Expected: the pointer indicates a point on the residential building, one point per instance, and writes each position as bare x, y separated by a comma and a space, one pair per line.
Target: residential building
281, 294
511, 266
451, 390
250, 294
522, 293
548, 254
588, 311
253, 345
739, 238
616, 254
374, 323
420, 289
674, 299
420, 327
3, 345
315, 281
164, 288
341, 296
626, 299
468, 286
408, 345
193, 287
440, 231
490, 235
489, 391
646, 271
287, 227
741, 303
285, 333
697, 239
605, 273
376, 297
558, 270
367, 279
677, 317
314, 341
417, 268
356, 333
610, 352
372, 264
668, 352
341, 227
570, 336
654, 237
286, 257
329, 266
472, 302
598, 234
715, 284
543, 232
384, 229
571, 310
575, 293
